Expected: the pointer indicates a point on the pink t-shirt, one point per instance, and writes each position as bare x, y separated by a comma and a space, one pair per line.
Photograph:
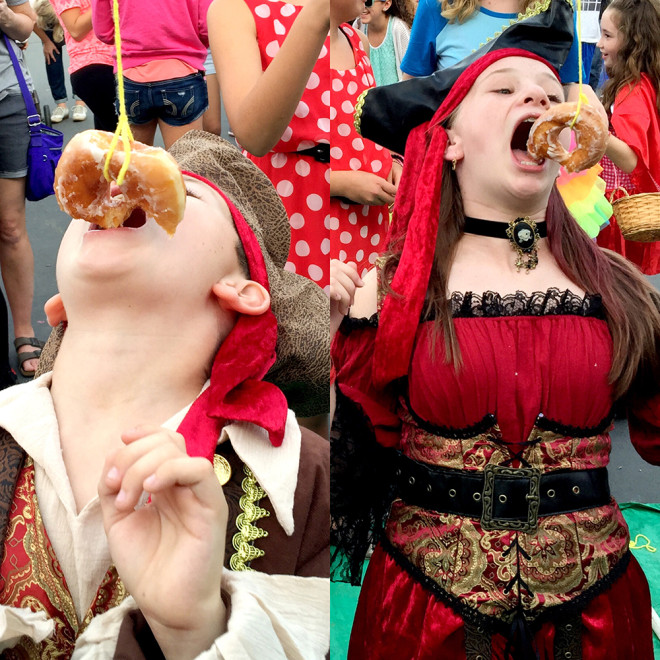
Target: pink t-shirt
89, 50
162, 30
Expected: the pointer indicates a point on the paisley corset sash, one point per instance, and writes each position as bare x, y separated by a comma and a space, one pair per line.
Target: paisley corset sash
568, 558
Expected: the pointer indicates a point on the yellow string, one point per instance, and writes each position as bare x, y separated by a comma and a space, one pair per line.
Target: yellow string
646, 546
123, 129
581, 96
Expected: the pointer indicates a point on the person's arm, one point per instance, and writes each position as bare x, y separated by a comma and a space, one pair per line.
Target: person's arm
621, 154
173, 544
104, 27
631, 120
260, 104
50, 49
17, 21
344, 282
572, 94
420, 58
617, 150
362, 187
280, 616
77, 23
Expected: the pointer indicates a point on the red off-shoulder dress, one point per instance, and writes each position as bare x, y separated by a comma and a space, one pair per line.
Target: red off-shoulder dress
533, 390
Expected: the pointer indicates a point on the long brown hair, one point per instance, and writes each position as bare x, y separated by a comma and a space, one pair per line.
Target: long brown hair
461, 10
638, 21
402, 9
632, 305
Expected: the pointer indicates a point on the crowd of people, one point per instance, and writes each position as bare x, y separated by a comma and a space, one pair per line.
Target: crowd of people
345, 344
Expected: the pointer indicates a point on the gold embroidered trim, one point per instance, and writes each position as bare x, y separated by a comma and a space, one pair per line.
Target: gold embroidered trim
248, 532
357, 117
533, 10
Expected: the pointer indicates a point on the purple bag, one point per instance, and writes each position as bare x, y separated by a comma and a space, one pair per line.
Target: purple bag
45, 146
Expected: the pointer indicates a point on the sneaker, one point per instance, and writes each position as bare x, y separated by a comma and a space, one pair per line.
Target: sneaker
60, 113
79, 113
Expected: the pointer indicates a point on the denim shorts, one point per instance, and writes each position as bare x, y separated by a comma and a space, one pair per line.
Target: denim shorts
177, 102
14, 137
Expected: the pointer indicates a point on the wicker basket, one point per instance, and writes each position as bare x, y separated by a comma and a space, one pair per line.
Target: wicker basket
638, 216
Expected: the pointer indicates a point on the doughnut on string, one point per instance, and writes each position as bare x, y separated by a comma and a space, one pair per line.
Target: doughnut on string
123, 128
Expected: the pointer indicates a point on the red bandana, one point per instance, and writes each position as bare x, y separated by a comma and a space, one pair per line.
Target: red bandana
237, 391
416, 216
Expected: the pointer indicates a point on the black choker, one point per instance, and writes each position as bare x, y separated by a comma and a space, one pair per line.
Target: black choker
522, 233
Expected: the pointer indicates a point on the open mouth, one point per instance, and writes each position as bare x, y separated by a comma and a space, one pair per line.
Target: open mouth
135, 220
519, 143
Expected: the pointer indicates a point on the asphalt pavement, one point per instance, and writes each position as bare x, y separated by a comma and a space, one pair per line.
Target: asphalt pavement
631, 478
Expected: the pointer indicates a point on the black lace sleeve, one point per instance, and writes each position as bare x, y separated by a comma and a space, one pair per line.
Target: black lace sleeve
360, 489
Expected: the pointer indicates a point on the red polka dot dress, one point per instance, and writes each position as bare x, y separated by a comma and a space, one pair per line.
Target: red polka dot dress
357, 231
302, 182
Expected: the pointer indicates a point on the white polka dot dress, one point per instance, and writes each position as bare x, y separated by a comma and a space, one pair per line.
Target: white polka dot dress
302, 182
357, 232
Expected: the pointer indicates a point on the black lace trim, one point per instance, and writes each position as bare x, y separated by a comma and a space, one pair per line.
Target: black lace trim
490, 304
541, 303
546, 424
350, 324
491, 624
490, 420
361, 489
487, 422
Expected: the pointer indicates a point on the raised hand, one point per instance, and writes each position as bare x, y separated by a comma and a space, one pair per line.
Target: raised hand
362, 187
344, 281
168, 551
50, 51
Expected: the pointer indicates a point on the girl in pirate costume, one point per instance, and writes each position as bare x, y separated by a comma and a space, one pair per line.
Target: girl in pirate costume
483, 358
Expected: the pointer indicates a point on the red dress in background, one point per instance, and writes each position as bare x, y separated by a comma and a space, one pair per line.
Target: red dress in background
302, 182
533, 386
636, 121
357, 231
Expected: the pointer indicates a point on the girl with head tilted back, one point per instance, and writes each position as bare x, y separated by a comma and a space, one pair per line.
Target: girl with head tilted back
477, 371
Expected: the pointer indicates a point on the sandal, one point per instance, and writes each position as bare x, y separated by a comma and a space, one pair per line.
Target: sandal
27, 355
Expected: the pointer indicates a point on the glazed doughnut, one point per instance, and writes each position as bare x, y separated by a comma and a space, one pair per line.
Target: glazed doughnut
153, 182
590, 134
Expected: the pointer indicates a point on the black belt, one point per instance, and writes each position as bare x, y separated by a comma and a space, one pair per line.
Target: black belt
502, 497
319, 152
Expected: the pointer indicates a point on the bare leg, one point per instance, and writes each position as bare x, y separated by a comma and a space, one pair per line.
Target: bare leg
145, 132
212, 118
17, 260
172, 133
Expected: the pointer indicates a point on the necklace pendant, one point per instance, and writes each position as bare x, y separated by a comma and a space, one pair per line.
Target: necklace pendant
524, 236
